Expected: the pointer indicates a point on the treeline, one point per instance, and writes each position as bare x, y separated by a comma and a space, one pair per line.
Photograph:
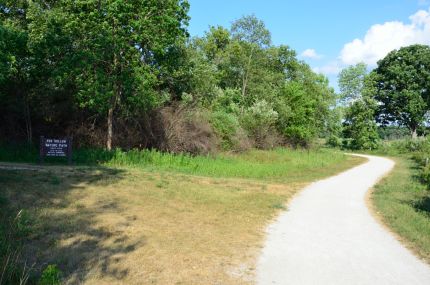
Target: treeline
115, 73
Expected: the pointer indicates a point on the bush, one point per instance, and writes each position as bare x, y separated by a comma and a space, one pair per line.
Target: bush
227, 100
334, 141
259, 121
229, 131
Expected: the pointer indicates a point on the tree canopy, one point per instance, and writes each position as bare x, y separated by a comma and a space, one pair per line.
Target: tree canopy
403, 87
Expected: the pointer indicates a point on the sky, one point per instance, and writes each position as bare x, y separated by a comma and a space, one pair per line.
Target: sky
327, 34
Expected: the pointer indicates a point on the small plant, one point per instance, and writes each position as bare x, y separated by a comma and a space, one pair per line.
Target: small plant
51, 275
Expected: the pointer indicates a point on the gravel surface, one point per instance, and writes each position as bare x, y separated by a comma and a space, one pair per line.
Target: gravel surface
328, 236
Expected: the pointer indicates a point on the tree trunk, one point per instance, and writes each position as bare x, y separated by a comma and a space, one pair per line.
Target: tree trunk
246, 74
27, 116
110, 128
28, 123
414, 133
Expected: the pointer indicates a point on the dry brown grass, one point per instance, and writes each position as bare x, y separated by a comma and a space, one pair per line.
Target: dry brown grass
113, 226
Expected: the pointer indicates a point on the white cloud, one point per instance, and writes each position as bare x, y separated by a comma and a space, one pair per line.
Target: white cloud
380, 39
311, 53
332, 68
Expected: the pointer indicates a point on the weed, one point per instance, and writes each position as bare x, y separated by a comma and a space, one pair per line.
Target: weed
50, 276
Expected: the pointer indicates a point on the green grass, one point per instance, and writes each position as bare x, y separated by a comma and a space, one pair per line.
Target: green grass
283, 165
404, 204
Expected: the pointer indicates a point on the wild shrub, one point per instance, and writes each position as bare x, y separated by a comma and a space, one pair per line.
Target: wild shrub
229, 131
259, 121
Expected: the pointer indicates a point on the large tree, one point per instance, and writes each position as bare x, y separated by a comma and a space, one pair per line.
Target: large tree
403, 87
117, 53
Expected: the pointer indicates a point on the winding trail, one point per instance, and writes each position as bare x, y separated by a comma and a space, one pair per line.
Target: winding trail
328, 236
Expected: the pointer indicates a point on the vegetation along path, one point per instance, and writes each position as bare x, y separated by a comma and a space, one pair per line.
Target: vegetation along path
328, 236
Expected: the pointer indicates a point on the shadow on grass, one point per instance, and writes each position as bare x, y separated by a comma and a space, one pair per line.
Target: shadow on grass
423, 205
54, 228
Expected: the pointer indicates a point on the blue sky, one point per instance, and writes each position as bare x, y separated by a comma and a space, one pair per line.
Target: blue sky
326, 28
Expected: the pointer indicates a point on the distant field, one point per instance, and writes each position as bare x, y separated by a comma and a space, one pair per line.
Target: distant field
403, 203
167, 220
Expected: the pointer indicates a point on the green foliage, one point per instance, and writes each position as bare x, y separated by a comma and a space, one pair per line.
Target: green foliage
69, 67
95, 55
228, 100
50, 276
227, 127
360, 126
393, 132
251, 30
351, 82
403, 86
304, 107
259, 120
357, 90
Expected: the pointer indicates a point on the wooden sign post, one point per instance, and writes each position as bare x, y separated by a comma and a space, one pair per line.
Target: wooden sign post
55, 148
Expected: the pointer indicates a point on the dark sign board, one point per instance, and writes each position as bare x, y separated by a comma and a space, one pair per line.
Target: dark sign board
54, 147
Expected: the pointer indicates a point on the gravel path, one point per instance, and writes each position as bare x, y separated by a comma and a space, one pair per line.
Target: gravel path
328, 236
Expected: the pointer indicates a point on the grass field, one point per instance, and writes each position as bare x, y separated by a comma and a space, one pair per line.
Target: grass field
175, 220
403, 203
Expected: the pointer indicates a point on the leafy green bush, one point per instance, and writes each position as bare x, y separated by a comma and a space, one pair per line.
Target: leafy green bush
259, 121
50, 276
227, 100
334, 141
228, 129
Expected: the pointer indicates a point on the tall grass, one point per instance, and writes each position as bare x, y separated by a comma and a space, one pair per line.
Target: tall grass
253, 164
279, 163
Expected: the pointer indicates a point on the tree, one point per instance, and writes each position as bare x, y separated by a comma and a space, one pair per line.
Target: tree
304, 105
357, 91
115, 49
403, 87
351, 82
252, 35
